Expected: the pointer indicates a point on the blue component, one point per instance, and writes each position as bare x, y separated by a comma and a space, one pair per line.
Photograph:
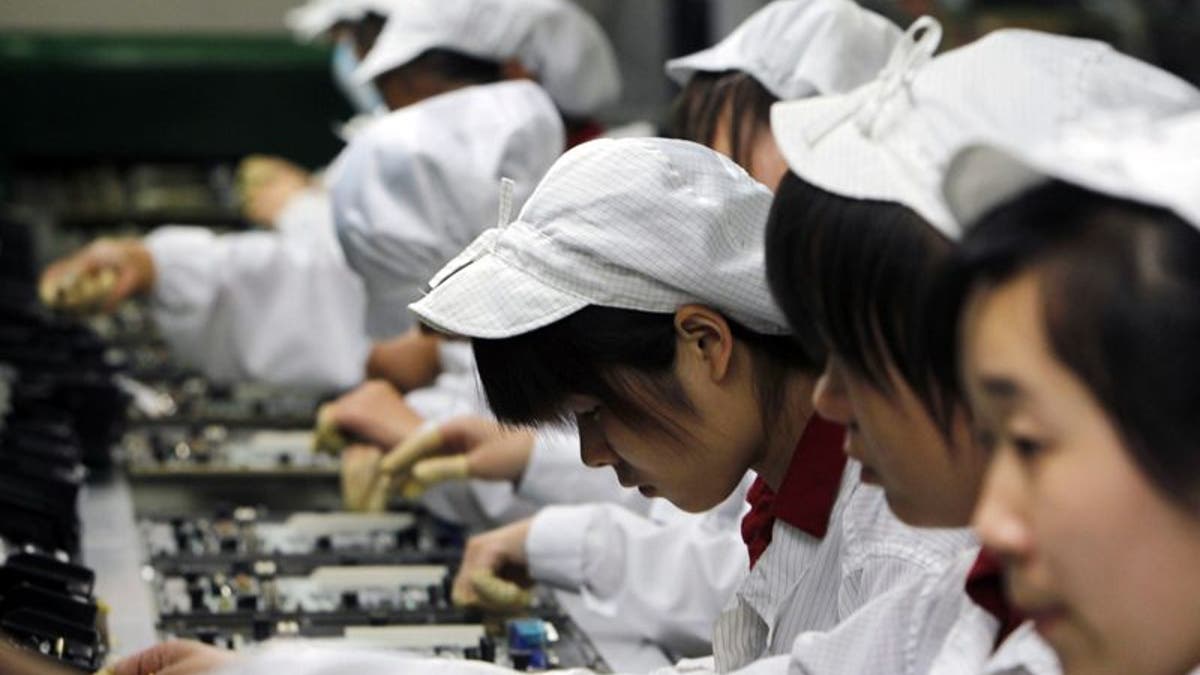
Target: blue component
526, 634
527, 641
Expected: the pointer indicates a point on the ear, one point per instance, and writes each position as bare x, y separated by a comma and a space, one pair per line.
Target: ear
513, 69
704, 337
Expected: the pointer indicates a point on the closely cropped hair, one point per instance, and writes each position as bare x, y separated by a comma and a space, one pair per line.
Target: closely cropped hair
696, 113
1120, 287
624, 358
861, 272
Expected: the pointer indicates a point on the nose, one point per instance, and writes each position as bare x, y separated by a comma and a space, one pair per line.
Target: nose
829, 395
594, 449
1000, 517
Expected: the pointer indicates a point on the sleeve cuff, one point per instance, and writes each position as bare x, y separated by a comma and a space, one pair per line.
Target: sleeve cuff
555, 545
555, 454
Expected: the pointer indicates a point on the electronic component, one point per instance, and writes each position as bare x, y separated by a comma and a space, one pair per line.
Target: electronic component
301, 542
175, 451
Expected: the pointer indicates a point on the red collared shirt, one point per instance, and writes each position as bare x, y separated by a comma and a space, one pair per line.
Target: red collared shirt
809, 491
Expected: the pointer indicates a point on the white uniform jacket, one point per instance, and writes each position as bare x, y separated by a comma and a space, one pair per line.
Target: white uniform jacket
279, 307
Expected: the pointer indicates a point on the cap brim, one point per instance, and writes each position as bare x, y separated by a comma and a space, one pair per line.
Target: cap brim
489, 298
378, 62
822, 143
710, 60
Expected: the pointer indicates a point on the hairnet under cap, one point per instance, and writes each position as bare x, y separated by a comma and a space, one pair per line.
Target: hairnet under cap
561, 44
642, 224
800, 48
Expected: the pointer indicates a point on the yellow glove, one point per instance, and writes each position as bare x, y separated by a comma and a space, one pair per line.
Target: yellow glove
415, 471
79, 292
364, 487
499, 595
326, 436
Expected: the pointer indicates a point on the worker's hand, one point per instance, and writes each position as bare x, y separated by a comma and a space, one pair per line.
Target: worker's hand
266, 185
461, 448
364, 487
408, 362
177, 657
494, 573
99, 276
374, 413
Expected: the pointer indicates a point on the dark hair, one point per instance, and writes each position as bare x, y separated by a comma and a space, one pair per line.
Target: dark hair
365, 31
860, 271
697, 110
622, 357
1120, 287
456, 66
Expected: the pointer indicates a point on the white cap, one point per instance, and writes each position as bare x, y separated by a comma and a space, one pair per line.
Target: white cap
645, 224
558, 42
800, 48
419, 184
1155, 163
893, 139
317, 17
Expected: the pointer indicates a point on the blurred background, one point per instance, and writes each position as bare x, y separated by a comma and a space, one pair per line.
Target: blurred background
120, 115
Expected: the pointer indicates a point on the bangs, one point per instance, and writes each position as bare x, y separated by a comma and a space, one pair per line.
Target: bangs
699, 109
528, 378
858, 275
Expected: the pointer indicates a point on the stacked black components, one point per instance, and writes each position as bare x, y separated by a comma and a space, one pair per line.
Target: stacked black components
60, 411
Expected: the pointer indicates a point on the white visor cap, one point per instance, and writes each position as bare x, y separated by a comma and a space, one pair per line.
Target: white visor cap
892, 139
640, 224
561, 44
800, 48
317, 17
1152, 162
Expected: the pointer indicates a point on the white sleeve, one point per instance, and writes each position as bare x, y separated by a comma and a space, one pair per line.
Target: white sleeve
306, 212
556, 475
667, 580
259, 305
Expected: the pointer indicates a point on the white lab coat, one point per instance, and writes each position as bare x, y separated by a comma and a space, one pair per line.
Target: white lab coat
664, 573
283, 307
279, 307
802, 583
930, 626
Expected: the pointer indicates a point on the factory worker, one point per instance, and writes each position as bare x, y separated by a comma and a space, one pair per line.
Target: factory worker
788, 50
634, 557
1079, 314
677, 366
856, 241
601, 298
224, 302
552, 41
211, 294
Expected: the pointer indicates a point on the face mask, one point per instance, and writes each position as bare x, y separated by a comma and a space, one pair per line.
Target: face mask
364, 97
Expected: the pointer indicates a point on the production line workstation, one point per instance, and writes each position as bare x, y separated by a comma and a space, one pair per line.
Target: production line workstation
140, 502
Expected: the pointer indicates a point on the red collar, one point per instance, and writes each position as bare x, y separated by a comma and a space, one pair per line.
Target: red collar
985, 587
809, 491
588, 131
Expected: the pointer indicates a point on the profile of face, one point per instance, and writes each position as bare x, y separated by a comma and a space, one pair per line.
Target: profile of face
693, 454
928, 481
1095, 555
